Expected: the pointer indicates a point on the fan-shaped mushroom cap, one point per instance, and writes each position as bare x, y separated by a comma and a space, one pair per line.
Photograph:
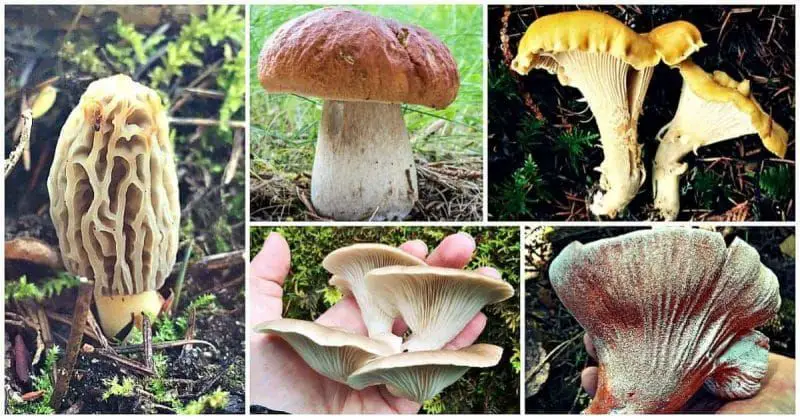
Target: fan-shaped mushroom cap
331, 352
712, 108
675, 41
420, 376
435, 303
739, 371
114, 190
585, 31
612, 66
350, 265
663, 307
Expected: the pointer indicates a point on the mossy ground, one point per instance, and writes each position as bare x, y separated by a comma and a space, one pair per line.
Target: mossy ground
549, 324
542, 167
307, 295
169, 49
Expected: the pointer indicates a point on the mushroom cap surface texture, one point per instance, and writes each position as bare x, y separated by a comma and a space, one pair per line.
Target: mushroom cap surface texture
676, 41
331, 352
114, 190
662, 307
435, 303
350, 265
345, 54
720, 89
420, 376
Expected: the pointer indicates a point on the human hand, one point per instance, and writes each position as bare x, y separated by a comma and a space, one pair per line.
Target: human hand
281, 380
776, 394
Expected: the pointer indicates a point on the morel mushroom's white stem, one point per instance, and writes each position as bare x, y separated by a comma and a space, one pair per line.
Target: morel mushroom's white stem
364, 166
116, 312
603, 80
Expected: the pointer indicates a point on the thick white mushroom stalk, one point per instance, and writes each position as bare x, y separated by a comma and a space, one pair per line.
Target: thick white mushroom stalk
697, 123
364, 165
615, 92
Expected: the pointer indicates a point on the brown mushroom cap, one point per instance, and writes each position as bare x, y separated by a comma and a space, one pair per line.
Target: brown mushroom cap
344, 54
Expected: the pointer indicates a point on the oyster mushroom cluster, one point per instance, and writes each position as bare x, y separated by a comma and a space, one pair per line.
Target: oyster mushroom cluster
389, 284
114, 198
612, 66
669, 311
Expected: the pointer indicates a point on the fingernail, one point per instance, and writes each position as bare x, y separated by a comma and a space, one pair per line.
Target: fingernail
467, 235
489, 271
272, 236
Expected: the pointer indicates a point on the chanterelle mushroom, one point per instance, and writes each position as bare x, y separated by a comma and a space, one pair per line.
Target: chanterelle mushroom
712, 108
350, 265
612, 66
420, 376
364, 67
114, 198
668, 310
328, 351
435, 303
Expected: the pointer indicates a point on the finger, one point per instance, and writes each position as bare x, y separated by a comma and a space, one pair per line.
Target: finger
416, 248
268, 271
469, 334
346, 315
587, 341
489, 271
589, 380
399, 328
455, 251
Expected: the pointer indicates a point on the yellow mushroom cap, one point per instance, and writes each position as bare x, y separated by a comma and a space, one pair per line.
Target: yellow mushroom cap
676, 41
720, 87
583, 30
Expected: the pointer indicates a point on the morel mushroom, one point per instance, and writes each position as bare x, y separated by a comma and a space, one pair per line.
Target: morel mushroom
712, 108
364, 67
612, 66
114, 198
668, 310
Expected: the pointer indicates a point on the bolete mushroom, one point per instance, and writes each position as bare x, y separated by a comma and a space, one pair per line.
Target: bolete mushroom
612, 66
114, 198
350, 265
364, 67
435, 303
712, 108
668, 310
331, 352
419, 376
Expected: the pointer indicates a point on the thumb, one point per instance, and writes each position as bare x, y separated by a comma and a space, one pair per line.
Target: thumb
268, 271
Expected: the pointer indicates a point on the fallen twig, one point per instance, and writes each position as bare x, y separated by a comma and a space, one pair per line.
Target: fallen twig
130, 349
25, 138
205, 122
63, 373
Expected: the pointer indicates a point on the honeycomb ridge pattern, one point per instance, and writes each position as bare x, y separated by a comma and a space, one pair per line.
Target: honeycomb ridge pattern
114, 189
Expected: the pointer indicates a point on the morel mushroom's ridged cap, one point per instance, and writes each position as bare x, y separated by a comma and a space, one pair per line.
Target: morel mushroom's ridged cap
587, 31
662, 306
419, 376
114, 189
331, 352
676, 41
345, 54
349, 266
721, 88
435, 303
